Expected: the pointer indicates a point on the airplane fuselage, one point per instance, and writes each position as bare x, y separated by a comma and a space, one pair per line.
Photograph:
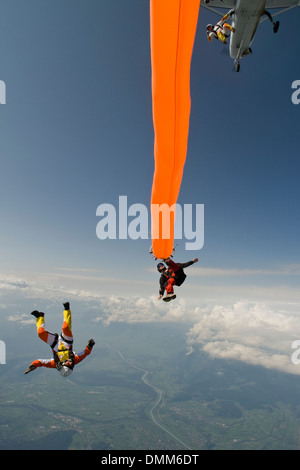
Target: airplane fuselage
245, 21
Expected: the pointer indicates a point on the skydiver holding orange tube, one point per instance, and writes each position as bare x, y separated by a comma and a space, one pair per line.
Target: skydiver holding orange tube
171, 276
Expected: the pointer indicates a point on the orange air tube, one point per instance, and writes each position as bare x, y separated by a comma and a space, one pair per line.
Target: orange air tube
173, 26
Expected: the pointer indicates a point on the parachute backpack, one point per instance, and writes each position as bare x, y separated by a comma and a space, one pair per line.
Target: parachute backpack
180, 277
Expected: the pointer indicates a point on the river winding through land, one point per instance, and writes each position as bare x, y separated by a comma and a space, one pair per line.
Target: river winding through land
158, 401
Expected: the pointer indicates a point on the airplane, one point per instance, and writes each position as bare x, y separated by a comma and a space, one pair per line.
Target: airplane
247, 15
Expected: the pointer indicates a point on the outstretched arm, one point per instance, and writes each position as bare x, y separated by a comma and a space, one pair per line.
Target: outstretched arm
87, 351
189, 263
41, 363
176, 266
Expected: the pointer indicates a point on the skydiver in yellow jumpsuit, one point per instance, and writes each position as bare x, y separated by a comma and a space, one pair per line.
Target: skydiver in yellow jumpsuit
64, 358
221, 30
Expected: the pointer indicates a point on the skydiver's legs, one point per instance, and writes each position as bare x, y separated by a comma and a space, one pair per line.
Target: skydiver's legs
44, 335
171, 281
169, 286
221, 37
67, 324
229, 27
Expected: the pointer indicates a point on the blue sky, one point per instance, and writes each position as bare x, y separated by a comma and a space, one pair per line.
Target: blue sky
77, 132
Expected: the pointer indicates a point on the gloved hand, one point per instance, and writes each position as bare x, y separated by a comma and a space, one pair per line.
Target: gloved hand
91, 344
30, 369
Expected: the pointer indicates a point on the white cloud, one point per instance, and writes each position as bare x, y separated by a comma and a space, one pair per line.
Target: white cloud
12, 283
22, 319
254, 333
140, 309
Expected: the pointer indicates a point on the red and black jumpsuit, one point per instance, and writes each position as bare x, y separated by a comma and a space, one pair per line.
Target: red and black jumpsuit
169, 278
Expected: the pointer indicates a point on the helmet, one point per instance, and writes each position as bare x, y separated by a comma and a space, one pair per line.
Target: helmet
65, 371
66, 368
160, 266
209, 27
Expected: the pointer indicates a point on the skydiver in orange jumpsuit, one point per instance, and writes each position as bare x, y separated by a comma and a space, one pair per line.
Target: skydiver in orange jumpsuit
64, 358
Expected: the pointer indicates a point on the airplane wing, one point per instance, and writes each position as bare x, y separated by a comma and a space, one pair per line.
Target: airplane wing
220, 3
232, 4
282, 4
212, 4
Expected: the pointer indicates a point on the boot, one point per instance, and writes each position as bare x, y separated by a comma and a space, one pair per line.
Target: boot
37, 314
169, 297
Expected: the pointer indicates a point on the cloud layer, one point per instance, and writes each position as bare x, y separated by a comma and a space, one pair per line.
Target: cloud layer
258, 333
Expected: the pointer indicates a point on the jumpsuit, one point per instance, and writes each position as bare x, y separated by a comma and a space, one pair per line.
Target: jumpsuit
61, 345
221, 30
168, 279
